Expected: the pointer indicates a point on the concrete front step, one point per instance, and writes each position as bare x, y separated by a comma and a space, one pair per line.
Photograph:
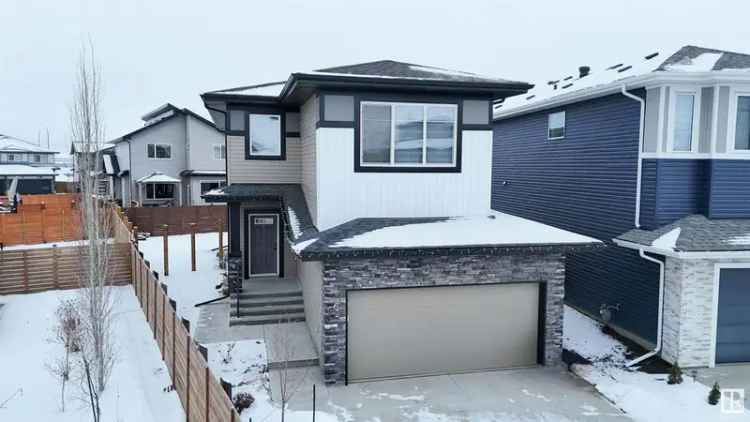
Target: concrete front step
268, 301
257, 295
267, 319
267, 310
300, 363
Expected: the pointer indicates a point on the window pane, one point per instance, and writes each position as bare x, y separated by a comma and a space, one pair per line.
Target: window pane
556, 125
742, 133
164, 190
150, 191
265, 134
376, 133
207, 186
150, 148
163, 151
409, 136
441, 123
683, 125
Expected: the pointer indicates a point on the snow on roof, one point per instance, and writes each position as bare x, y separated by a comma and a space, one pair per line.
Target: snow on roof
272, 89
9, 143
495, 228
157, 177
79, 147
705, 62
668, 240
23, 170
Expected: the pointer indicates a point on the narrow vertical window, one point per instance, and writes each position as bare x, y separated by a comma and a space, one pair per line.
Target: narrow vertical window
742, 127
683, 124
556, 125
376, 134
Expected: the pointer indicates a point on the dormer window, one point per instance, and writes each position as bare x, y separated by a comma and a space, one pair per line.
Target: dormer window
264, 136
407, 134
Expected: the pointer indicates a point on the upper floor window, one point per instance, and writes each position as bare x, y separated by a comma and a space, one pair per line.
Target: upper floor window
11, 157
159, 151
556, 125
742, 124
264, 132
220, 152
408, 134
684, 119
37, 158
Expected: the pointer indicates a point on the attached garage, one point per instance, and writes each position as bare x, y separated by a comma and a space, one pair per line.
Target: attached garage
733, 316
400, 332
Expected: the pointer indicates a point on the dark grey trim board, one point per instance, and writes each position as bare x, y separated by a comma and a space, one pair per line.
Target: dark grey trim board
279, 249
233, 210
541, 317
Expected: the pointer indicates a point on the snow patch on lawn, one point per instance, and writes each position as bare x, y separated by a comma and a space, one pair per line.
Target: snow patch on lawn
243, 364
645, 397
494, 228
185, 286
135, 391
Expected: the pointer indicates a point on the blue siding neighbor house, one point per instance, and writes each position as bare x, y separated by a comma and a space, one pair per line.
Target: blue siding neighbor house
653, 158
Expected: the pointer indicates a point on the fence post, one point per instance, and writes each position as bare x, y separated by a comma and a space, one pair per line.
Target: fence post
163, 317
54, 266
43, 212
156, 287
186, 323
204, 352
221, 241
135, 235
165, 233
25, 272
192, 246
174, 335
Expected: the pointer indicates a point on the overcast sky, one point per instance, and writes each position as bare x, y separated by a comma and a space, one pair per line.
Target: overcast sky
157, 51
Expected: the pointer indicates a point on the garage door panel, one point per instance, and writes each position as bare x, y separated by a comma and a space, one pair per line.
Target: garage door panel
417, 331
733, 323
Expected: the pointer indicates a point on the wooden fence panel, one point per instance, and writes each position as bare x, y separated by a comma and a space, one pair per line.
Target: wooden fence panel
150, 219
40, 219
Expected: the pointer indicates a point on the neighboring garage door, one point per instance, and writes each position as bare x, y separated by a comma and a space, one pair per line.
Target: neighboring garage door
437, 330
733, 324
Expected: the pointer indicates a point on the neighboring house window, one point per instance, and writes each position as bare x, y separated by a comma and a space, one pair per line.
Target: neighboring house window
159, 151
742, 125
11, 157
207, 186
220, 152
408, 134
684, 114
264, 131
37, 158
556, 125
160, 190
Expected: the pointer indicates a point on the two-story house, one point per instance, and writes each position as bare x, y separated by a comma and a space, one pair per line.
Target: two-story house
366, 190
651, 157
32, 165
174, 158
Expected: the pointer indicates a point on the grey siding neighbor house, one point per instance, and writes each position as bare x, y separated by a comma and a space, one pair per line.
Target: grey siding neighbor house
361, 194
32, 165
650, 157
172, 160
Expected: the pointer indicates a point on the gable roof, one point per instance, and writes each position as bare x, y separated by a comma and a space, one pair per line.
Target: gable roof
11, 144
585, 82
381, 73
162, 114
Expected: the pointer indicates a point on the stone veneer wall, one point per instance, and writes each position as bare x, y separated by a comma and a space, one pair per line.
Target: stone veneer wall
688, 323
342, 275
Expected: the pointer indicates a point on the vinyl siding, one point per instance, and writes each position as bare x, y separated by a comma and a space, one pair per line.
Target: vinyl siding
263, 171
673, 188
585, 183
648, 194
730, 189
309, 117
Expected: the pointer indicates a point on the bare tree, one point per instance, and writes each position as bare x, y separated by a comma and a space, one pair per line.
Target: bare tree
96, 299
282, 349
67, 334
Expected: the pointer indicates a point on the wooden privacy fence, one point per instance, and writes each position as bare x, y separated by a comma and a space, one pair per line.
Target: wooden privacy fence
208, 218
204, 397
37, 270
41, 219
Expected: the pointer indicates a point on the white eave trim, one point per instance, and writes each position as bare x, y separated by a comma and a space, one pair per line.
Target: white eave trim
648, 80
684, 255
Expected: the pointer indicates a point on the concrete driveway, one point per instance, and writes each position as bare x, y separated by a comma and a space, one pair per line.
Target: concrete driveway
728, 376
535, 394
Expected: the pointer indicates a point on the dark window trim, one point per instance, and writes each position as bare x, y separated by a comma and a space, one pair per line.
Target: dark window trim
458, 102
280, 248
282, 135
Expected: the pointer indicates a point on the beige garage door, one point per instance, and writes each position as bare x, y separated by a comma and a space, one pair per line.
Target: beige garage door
439, 330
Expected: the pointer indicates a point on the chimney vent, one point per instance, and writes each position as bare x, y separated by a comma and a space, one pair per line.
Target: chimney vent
583, 71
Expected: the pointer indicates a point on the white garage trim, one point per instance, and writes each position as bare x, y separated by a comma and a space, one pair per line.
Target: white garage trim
523, 322
715, 304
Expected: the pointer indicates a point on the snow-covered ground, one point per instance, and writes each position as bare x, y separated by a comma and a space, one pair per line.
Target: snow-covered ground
136, 388
645, 397
184, 285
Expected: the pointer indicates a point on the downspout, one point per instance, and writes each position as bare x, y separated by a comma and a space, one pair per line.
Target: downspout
660, 316
130, 169
641, 123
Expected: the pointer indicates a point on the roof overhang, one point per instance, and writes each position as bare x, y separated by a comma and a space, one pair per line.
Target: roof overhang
684, 254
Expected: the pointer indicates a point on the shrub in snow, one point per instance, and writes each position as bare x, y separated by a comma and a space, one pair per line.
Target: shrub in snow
714, 395
226, 355
242, 401
675, 375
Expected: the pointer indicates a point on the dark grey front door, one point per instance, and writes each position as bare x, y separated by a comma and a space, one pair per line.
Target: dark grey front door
733, 323
264, 244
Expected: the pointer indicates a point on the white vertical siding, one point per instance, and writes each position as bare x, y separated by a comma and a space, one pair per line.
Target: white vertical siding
309, 174
263, 171
344, 195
